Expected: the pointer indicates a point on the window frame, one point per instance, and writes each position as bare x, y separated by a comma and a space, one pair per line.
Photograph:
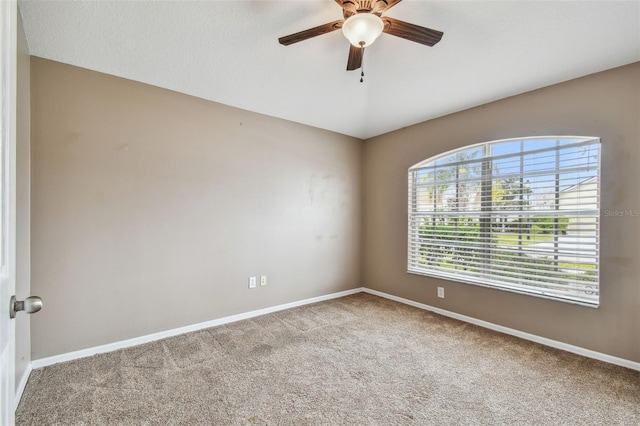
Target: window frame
414, 232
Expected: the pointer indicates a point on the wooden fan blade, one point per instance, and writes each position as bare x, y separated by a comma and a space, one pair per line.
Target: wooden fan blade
383, 5
311, 32
355, 57
411, 32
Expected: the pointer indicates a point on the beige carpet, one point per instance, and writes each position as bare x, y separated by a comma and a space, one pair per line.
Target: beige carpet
358, 360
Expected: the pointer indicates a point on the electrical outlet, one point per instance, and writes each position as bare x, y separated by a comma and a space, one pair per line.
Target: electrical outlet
263, 280
252, 282
441, 292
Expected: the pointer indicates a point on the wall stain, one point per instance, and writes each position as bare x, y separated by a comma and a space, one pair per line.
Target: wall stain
312, 184
324, 191
121, 147
71, 138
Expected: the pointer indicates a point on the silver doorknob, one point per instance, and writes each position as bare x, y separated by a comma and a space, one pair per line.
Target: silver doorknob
29, 305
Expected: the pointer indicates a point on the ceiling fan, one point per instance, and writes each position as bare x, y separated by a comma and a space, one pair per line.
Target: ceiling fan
362, 24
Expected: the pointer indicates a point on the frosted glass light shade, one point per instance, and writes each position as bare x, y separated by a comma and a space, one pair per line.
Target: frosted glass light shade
362, 28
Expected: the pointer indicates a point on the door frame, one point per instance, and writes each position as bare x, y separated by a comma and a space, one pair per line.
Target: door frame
8, 87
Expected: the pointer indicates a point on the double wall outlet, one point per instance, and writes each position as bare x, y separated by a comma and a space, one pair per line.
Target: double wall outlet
441, 292
253, 281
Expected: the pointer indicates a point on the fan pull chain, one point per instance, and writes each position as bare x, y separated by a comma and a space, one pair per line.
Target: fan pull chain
362, 66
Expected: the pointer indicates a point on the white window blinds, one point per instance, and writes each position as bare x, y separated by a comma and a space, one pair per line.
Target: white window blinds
520, 215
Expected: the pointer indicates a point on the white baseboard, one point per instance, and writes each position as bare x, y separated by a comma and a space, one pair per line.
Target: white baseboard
44, 362
521, 334
21, 385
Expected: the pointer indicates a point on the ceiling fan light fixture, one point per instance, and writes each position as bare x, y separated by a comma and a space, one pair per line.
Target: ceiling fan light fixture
362, 29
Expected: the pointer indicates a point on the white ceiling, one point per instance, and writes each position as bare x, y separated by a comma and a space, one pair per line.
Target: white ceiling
228, 52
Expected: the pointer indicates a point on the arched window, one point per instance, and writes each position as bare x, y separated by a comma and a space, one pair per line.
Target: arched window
518, 214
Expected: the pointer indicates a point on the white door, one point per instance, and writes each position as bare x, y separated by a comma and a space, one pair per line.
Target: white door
8, 16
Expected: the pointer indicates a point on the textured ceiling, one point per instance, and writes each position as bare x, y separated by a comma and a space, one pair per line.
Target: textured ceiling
228, 52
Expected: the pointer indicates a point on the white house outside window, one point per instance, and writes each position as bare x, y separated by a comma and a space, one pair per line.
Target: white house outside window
519, 214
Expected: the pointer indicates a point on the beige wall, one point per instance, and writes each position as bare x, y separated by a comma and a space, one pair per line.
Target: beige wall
23, 170
606, 105
151, 209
